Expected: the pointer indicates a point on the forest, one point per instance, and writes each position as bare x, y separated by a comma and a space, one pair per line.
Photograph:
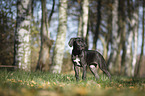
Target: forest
114, 28
34, 36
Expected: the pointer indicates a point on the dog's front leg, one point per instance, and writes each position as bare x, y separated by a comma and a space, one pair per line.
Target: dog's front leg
84, 72
76, 68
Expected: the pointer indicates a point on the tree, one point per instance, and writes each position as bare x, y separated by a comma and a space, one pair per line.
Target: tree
7, 28
60, 40
130, 61
142, 46
96, 34
83, 19
135, 35
122, 29
79, 34
115, 38
107, 35
85, 15
51, 13
22, 46
45, 40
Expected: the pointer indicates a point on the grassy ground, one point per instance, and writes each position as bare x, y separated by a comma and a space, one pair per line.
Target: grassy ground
19, 83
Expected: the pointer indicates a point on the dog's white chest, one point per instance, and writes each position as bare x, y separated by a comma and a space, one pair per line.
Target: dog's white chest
77, 60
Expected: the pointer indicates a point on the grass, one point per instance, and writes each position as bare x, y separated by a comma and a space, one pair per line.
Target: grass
20, 83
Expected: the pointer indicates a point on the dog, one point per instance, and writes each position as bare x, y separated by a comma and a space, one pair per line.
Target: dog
81, 57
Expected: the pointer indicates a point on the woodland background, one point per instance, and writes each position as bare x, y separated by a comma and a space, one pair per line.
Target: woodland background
34, 34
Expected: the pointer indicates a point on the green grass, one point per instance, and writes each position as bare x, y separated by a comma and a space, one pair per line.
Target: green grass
20, 83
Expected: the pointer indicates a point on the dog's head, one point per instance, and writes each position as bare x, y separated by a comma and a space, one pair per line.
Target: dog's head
77, 43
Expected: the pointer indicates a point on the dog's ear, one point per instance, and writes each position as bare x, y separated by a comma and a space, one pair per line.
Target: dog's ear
71, 41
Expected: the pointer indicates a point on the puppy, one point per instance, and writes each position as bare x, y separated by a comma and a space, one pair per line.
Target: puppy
81, 57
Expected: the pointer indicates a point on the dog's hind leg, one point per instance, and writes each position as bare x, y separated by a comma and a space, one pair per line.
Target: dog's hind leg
93, 69
103, 67
107, 73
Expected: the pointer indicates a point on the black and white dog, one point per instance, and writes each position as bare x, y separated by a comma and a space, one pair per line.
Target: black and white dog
83, 58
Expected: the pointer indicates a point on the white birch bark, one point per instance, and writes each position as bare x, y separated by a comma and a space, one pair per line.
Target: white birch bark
128, 57
135, 26
22, 35
131, 59
85, 15
129, 39
61, 37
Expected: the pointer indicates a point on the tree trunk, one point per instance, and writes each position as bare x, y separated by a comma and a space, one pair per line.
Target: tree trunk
104, 47
60, 40
79, 34
45, 41
115, 39
142, 46
129, 65
135, 22
109, 33
128, 57
96, 34
122, 30
22, 47
51, 13
85, 15
123, 40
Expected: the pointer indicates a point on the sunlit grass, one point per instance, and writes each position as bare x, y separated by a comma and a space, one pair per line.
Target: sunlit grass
43, 83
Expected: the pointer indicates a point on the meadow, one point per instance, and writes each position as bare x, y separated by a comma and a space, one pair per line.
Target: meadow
20, 83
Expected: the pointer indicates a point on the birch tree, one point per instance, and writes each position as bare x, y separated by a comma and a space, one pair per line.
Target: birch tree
130, 61
142, 46
135, 35
115, 38
79, 34
85, 15
22, 46
60, 40
128, 57
45, 40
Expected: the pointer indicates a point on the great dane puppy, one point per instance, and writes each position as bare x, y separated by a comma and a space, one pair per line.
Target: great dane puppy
81, 57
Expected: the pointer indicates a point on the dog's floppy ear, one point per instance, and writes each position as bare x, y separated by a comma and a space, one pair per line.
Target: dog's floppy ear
71, 41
